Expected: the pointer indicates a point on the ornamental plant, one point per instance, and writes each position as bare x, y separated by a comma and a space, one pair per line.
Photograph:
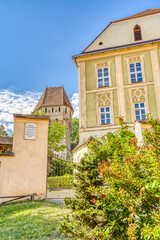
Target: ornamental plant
117, 188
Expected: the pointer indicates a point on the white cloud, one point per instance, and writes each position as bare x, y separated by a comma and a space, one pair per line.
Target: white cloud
23, 102
75, 104
11, 102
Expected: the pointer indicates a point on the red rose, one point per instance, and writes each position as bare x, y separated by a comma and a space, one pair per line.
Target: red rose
100, 167
103, 195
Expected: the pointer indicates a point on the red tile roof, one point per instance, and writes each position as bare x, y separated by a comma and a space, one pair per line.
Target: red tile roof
141, 14
53, 96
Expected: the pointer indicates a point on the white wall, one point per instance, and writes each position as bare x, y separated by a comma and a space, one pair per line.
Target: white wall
121, 33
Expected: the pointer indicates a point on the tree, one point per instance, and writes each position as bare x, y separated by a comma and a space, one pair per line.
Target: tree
75, 130
37, 112
56, 134
3, 131
117, 188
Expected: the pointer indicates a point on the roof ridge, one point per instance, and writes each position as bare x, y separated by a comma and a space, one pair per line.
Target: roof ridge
152, 8
139, 14
134, 16
63, 94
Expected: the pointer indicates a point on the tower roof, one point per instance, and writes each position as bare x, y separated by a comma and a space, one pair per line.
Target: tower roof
53, 96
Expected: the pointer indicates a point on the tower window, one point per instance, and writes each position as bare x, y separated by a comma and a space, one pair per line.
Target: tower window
137, 33
59, 109
65, 110
52, 109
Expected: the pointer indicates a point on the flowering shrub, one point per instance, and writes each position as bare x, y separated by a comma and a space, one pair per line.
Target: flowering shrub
118, 188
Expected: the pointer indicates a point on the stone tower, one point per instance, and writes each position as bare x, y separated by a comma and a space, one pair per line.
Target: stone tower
55, 102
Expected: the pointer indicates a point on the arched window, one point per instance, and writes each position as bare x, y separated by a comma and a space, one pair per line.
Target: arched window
137, 33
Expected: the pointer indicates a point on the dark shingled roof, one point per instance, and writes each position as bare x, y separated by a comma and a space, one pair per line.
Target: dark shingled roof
6, 140
53, 96
141, 14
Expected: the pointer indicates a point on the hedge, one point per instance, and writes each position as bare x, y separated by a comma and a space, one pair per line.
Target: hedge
60, 181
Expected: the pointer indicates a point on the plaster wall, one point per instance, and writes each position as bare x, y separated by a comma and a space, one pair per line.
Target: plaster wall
26, 171
147, 66
99, 132
121, 33
91, 110
79, 153
91, 74
152, 101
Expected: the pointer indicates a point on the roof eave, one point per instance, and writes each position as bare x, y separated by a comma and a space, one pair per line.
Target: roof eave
114, 48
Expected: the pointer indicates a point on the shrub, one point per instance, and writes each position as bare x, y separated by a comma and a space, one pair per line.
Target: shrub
60, 181
117, 188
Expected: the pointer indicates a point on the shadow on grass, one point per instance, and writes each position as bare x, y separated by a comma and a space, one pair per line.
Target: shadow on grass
31, 220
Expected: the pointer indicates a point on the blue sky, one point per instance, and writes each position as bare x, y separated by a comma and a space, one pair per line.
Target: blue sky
39, 37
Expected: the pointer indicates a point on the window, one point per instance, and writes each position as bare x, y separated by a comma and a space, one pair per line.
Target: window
105, 116
103, 77
136, 72
59, 109
65, 110
45, 110
140, 112
137, 33
52, 109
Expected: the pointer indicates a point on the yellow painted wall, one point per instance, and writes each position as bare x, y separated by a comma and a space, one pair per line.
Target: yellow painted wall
26, 172
152, 101
115, 107
128, 106
147, 67
91, 78
91, 110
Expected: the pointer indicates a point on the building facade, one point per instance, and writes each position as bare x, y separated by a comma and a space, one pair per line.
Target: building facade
119, 74
23, 170
55, 102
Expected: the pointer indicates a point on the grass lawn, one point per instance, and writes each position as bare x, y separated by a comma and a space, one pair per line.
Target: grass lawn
31, 220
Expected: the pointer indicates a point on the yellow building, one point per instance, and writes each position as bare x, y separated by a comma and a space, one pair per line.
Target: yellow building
119, 74
23, 170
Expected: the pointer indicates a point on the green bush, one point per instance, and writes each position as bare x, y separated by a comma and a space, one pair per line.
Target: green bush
117, 189
60, 181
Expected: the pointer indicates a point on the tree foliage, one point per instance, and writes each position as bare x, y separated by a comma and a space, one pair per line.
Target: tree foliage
117, 188
56, 134
75, 130
3, 131
37, 112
